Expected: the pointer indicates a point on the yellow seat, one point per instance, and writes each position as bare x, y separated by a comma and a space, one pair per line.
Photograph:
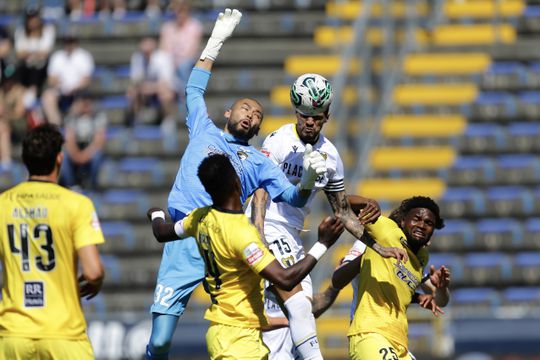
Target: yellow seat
326, 65
483, 9
399, 189
412, 158
446, 64
330, 36
477, 34
280, 95
423, 125
434, 94
349, 10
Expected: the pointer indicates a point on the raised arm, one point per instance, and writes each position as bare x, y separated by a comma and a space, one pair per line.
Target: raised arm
342, 209
163, 231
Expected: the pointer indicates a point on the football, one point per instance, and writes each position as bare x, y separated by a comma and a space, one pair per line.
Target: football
311, 94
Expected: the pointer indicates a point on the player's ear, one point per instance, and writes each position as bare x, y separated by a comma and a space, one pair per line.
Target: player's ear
227, 114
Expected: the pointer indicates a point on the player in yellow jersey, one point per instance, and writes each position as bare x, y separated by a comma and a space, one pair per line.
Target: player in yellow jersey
45, 232
386, 288
235, 260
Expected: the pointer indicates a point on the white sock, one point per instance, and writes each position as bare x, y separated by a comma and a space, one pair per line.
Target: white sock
302, 326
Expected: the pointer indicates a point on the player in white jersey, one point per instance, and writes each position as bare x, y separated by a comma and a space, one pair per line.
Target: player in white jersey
281, 224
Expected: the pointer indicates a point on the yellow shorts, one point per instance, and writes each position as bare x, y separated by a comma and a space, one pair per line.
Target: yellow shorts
373, 346
17, 348
232, 342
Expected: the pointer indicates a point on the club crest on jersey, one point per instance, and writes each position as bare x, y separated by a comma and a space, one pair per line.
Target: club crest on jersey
253, 253
295, 148
243, 155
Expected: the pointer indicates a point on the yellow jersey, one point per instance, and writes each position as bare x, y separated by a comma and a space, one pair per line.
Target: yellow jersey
42, 225
386, 286
234, 255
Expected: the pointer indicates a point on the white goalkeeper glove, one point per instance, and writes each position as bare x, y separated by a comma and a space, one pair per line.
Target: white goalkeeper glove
313, 166
223, 29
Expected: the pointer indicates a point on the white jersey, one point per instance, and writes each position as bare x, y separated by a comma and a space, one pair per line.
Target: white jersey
286, 150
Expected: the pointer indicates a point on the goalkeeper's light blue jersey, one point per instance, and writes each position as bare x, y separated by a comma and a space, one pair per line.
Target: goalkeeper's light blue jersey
254, 168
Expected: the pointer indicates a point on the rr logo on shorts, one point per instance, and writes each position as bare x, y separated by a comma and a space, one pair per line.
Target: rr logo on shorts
34, 294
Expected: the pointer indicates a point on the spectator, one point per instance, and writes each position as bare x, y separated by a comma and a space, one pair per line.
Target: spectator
5, 50
34, 42
85, 133
151, 73
181, 38
152, 9
70, 71
12, 114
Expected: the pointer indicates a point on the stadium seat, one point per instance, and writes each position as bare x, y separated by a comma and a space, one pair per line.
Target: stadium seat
517, 169
531, 237
526, 268
411, 158
529, 105
483, 9
494, 106
521, 296
119, 236
427, 125
524, 136
457, 235
434, 94
462, 201
504, 201
441, 64
471, 170
123, 204
475, 302
486, 268
499, 234
505, 75
325, 65
473, 34
140, 172
450, 260
399, 189
482, 138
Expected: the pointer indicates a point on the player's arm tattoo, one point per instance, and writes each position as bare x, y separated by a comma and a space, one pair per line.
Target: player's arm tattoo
342, 210
258, 211
322, 301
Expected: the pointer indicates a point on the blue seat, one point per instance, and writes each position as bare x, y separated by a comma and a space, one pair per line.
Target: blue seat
450, 260
456, 234
122, 71
493, 98
119, 204
119, 229
499, 233
470, 169
505, 67
147, 132
533, 225
485, 268
521, 294
112, 267
532, 11
524, 129
527, 259
459, 201
509, 200
534, 66
474, 296
529, 97
113, 102
517, 161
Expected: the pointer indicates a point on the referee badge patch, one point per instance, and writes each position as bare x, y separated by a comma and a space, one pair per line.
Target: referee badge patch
253, 253
34, 294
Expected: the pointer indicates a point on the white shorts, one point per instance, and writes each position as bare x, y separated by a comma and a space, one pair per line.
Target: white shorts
285, 243
280, 344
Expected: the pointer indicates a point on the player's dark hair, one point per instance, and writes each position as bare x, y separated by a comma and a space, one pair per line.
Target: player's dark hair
40, 147
417, 202
217, 176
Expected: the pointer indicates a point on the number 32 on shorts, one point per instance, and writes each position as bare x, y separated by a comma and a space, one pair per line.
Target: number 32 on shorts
162, 295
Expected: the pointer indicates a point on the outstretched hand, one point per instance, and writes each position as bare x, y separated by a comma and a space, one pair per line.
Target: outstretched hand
388, 252
369, 213
223, 29
428, 302
439, 278
329, 231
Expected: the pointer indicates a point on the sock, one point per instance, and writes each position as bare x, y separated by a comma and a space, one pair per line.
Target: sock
302, 326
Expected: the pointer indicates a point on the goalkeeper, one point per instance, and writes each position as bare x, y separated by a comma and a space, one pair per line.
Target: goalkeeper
182, 269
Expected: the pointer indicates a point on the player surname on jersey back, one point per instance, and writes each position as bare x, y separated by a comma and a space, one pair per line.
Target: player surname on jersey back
30, 212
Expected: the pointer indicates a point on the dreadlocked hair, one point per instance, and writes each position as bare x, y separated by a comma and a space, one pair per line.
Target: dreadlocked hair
417, 202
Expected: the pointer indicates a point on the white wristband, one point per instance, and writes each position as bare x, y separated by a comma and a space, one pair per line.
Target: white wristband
318, 250
158, 214
179, 228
